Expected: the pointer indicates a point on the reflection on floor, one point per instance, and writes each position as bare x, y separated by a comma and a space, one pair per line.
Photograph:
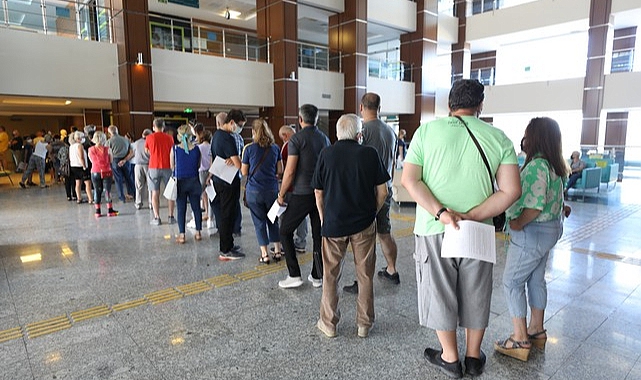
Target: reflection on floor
116, 298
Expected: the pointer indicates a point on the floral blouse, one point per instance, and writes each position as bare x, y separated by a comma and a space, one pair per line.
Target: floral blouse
542, 190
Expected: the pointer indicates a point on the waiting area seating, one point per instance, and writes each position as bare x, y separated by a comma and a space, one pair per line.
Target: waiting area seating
598, 171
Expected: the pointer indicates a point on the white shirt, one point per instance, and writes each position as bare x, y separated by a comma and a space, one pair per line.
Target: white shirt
75, 160
41, 150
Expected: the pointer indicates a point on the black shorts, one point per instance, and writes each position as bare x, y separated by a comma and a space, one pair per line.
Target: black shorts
80, 173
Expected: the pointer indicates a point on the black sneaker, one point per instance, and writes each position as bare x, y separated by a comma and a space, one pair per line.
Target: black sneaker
393, 278
231, 255
474, 366
352, 289
453, 370
23, 185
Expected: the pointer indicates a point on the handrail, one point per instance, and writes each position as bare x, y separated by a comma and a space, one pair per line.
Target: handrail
75, 20
389, 69
318, 57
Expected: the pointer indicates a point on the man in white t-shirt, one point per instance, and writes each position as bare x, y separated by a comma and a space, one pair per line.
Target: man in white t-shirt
37, 160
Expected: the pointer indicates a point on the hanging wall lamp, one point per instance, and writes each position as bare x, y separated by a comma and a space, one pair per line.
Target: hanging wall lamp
139, 60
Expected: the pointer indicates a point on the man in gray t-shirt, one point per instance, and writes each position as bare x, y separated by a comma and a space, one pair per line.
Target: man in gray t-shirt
381, 137
121, 167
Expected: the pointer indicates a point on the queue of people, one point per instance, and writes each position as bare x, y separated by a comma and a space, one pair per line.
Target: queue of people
314, 180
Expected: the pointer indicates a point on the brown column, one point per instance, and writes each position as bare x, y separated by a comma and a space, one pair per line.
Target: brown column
595, 67
277, 20
348, 35
417, 49
134, 111
616, 129
461, 50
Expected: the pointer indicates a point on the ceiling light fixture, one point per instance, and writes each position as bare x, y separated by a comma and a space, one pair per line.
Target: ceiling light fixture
227, 14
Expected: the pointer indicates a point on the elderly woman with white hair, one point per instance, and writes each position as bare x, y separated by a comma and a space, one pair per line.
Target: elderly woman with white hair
79, 165
185, 162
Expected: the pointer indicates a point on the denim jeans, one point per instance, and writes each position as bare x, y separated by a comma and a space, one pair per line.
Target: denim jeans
122, 175
259, 204
188, 189
100, 185
525, 266
38, 163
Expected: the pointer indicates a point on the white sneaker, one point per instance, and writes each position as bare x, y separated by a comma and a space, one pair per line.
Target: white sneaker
290, 282
363, 332
210, 224
315, 283
192, 224
329, 332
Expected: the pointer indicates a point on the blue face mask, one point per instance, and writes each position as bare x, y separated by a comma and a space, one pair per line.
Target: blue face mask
238, 128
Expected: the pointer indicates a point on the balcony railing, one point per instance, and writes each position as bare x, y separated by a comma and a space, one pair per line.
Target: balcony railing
58, 17
199, 38
318, 57
391, 70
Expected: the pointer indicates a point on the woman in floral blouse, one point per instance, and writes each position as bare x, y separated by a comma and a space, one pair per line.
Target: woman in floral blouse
535, 226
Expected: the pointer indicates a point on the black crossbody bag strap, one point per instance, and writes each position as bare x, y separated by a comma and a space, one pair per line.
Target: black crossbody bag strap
478, 146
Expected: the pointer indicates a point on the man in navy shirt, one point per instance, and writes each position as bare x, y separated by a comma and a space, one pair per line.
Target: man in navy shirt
303, 150
350, 187
224, 145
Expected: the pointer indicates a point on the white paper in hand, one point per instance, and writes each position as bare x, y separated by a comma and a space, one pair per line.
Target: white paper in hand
472, 240
275, 211
223, 171
211, 192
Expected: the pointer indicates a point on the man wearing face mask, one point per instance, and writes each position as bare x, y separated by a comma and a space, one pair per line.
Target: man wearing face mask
381, 137
224, 146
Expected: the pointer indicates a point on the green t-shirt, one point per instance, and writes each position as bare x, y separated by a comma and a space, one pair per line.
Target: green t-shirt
541, 190
453, 169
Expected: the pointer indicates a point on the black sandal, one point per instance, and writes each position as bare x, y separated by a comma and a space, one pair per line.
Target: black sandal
264, 259
277, 256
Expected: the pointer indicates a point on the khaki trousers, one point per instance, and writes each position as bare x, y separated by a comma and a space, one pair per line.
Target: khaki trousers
364, 248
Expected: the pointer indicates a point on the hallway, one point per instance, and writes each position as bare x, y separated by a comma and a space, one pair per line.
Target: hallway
116, 298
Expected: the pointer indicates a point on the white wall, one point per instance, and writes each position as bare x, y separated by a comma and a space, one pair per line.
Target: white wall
398, 14
40, 65
396, 97
545, 59
324, 89
201, 79
621, 91
560, 95
447, 32
520, 18
337, 6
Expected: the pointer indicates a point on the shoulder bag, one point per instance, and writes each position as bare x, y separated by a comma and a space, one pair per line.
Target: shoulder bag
498, 220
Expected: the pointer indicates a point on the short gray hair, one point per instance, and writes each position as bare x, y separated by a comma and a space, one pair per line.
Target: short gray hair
113, 129
348, 127
159, 123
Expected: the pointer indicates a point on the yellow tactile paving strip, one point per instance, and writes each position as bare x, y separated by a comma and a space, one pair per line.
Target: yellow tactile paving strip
66, 321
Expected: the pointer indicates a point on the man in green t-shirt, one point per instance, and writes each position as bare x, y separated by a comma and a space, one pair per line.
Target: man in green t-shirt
446, 176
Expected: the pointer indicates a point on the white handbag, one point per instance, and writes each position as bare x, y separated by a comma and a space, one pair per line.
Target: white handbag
171, 190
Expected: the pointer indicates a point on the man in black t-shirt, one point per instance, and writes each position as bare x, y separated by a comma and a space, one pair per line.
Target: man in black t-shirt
223, 145
348, 209
303, 150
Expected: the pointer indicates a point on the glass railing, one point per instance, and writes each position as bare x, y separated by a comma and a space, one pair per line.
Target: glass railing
64, 18
318, 57
391, 70
180, 35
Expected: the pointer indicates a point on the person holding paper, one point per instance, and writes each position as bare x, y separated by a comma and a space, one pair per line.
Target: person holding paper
304, 148
445, 174
535, 226
223, 146
262, 165
348, 210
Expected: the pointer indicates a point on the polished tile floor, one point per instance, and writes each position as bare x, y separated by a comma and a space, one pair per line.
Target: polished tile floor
116, 298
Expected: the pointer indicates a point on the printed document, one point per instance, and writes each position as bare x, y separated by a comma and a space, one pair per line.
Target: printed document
275, 211
211, 193
472, 240
223, 171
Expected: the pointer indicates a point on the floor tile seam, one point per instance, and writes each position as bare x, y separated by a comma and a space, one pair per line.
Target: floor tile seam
595, 226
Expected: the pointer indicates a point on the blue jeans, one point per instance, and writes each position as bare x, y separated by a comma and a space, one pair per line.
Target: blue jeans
38, 163
123, 174
100, 185
188, 188
259, 204
525, 266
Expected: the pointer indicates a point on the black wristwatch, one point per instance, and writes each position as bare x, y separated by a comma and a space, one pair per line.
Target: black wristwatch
438, 214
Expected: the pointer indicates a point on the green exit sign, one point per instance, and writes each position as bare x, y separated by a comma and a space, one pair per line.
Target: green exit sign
188, 110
